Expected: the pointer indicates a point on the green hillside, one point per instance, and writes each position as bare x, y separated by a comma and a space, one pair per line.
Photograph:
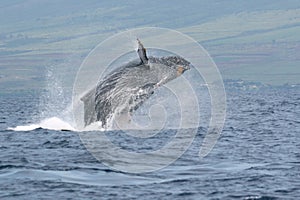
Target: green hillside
251, 41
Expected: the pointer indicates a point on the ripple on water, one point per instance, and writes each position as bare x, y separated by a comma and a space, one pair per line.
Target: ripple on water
257, 157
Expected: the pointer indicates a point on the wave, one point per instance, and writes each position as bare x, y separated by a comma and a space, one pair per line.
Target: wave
97, 178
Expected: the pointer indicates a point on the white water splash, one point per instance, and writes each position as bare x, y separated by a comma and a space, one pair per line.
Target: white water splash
53, 123
57, 124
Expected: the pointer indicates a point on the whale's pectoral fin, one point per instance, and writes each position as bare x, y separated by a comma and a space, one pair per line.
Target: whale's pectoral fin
142, 53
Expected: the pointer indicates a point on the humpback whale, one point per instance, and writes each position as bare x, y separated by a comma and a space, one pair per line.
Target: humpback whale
126, 88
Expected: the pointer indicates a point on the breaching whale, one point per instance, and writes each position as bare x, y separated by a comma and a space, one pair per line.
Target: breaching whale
126, 88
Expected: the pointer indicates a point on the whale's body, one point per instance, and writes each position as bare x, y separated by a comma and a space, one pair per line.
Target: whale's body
125, 89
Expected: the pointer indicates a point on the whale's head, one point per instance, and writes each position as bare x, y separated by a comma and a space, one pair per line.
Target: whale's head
176, 63
165, 69
181, 64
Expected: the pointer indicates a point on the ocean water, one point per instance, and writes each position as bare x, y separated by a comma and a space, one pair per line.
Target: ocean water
256, 157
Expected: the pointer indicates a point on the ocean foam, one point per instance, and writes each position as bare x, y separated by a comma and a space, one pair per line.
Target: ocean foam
53, 123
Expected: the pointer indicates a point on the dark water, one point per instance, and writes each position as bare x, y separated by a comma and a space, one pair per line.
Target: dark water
257, 157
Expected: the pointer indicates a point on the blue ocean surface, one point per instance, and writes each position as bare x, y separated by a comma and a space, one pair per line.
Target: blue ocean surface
256, 157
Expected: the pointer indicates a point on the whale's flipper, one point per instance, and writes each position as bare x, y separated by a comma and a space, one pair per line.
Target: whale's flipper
142, 53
